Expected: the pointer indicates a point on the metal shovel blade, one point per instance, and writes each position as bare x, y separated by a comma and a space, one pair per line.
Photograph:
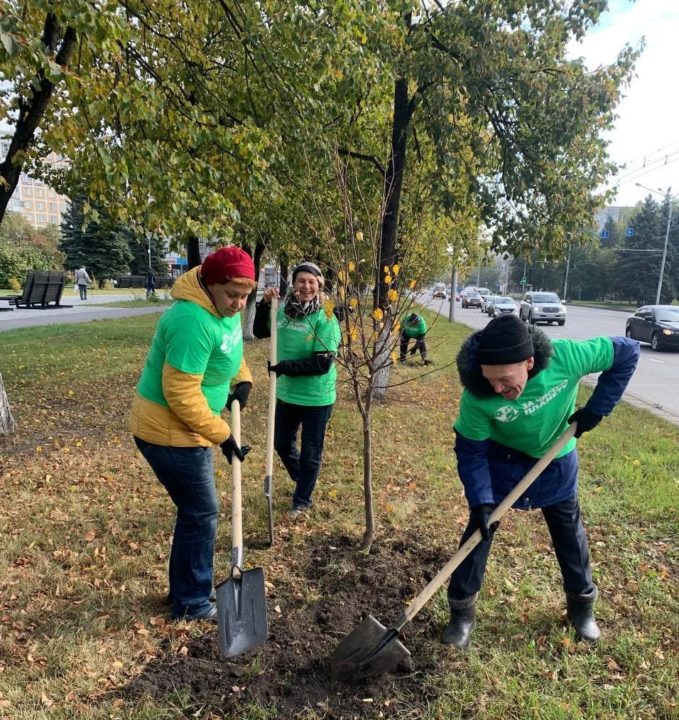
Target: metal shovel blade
370, 649
241, 613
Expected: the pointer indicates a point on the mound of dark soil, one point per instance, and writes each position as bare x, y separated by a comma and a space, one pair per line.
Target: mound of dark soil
292, 667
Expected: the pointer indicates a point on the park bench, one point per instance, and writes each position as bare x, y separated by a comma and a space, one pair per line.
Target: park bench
131, 281
139, 281
42, 289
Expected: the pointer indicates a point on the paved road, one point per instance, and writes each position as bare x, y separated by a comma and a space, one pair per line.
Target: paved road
94, 308
656, 380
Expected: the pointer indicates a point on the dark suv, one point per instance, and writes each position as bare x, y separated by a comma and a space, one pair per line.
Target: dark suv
471, 299
538, 306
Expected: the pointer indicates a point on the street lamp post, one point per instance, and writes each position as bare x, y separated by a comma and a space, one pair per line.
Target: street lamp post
667, 237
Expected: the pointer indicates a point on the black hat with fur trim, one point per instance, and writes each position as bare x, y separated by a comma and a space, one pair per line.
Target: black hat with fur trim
476, 351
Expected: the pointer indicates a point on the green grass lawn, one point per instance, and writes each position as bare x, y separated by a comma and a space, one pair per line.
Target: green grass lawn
85, 537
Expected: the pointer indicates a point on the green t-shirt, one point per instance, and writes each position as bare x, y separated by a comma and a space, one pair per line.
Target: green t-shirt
300, 339
413, 331
193, 340
533, 422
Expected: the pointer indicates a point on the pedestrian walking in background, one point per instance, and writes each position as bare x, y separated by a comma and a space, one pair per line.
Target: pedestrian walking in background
308, 339
150, 284
195, 368
519, 395
82, 280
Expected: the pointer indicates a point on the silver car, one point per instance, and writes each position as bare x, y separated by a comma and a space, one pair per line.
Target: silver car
501, 306
538, 306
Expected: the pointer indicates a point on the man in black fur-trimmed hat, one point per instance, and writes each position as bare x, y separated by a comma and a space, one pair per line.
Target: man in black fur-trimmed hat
519, 395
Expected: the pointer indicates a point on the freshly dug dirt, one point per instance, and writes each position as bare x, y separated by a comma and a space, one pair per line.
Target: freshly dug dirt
292, 671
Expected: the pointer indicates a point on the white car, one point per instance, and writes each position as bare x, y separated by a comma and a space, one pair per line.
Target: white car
439, 290
538, 306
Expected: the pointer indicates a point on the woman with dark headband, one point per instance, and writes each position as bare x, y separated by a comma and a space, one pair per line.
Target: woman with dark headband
195, 368
308, 339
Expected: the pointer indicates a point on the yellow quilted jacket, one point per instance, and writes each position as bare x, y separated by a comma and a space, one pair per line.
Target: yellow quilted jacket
188, 421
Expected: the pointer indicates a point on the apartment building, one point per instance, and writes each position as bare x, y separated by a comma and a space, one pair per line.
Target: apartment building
35, 200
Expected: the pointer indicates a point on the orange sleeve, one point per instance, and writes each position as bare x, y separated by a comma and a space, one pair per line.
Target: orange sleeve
186, 400
243, 374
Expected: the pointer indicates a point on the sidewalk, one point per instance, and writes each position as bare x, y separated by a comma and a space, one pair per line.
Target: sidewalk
94, 308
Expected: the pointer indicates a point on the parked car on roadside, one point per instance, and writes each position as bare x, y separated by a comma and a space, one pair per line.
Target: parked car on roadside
501, 306
471, 299
655, 324
538, 306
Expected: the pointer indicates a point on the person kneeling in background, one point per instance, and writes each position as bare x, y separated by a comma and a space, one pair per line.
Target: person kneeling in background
414, 327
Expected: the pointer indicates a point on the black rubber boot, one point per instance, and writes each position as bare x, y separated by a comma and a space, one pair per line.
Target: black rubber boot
461, 626
581, 615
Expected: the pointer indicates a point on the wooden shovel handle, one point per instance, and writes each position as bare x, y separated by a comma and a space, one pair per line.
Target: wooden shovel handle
423, 598
272, 389
236, 499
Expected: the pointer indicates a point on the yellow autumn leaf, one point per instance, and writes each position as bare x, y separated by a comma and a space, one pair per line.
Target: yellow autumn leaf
412, 284
359, 236
353, 302
341, 276
392, 296
386, 269
387, 279
395, 268
378, 314
328, 306
352, 266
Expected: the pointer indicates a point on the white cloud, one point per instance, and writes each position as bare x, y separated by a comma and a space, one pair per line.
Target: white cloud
646, 133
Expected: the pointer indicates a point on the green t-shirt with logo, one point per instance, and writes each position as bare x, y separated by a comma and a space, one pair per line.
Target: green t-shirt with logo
533, 422
415, 330
193, 340
299, 339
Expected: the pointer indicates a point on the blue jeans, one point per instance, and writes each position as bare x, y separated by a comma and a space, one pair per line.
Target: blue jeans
303, 465
83, 291
188, 476
570, 546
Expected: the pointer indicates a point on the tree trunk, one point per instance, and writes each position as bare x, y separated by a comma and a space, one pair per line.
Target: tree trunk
32, 111
249, 314
7, 424
193, 252
393, 186
369, 534
382, 360
283, 264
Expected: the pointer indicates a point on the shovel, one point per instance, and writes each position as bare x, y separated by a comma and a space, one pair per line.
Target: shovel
271, 423
241, 600
371, 649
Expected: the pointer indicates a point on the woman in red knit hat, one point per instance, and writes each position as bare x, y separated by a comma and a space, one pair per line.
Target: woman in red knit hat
194, 369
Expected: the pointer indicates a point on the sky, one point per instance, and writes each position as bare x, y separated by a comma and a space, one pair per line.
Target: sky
646, 134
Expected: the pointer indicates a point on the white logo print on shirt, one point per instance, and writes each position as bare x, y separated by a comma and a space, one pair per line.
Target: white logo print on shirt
230, 339
508, 413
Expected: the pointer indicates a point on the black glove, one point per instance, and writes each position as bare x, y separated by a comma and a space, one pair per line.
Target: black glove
240, 392
478, 519
585, 419
230, 448
279, 368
